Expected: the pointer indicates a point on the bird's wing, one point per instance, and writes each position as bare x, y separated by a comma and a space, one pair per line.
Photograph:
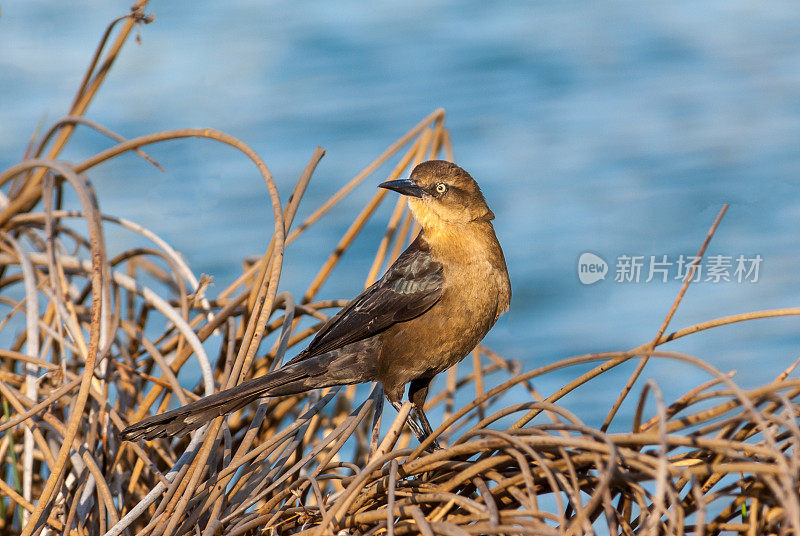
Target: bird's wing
411, 286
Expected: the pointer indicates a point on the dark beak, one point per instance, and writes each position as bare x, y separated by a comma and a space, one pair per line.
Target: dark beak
403, 186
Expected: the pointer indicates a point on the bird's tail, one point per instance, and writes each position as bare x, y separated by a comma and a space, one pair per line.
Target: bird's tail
322, 371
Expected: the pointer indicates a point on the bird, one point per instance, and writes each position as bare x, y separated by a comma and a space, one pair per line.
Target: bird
428, 311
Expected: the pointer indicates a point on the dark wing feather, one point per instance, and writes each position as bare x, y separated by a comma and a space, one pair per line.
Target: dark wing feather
411, 286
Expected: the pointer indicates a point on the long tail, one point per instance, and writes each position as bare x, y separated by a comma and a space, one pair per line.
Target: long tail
322, 371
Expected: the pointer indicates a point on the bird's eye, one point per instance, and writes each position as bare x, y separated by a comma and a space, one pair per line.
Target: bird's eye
441, 188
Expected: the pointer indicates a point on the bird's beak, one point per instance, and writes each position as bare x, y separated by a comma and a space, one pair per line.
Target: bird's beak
403, 186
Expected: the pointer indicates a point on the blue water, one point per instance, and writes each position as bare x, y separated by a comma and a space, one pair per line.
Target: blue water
616, 127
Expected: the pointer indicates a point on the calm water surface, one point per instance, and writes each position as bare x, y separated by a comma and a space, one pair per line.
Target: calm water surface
616, 127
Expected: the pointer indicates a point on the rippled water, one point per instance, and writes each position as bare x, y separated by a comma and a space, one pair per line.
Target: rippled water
617, 127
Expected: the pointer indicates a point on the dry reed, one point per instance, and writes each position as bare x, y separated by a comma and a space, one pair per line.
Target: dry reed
104, 338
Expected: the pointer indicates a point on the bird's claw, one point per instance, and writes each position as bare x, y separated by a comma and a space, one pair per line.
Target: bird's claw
433, 446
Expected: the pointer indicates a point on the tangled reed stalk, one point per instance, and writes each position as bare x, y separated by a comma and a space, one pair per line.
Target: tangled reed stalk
97, 342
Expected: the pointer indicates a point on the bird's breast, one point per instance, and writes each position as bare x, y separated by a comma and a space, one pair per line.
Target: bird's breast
475, 293
473, 299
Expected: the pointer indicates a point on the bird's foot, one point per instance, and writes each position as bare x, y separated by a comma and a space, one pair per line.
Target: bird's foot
432, 447
419, 431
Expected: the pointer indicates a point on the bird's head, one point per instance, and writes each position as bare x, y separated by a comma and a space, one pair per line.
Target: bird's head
440, 192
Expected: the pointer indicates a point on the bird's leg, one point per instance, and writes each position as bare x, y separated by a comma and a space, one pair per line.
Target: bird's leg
417, 393
418, 431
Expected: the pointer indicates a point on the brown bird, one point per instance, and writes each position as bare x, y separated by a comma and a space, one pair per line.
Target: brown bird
427, 312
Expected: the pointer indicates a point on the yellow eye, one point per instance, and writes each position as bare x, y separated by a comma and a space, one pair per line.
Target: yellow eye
441, 188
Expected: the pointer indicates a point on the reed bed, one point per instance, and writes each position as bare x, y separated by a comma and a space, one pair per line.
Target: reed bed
98, 342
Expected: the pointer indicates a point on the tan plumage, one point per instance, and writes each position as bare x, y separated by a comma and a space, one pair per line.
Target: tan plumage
427, 312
